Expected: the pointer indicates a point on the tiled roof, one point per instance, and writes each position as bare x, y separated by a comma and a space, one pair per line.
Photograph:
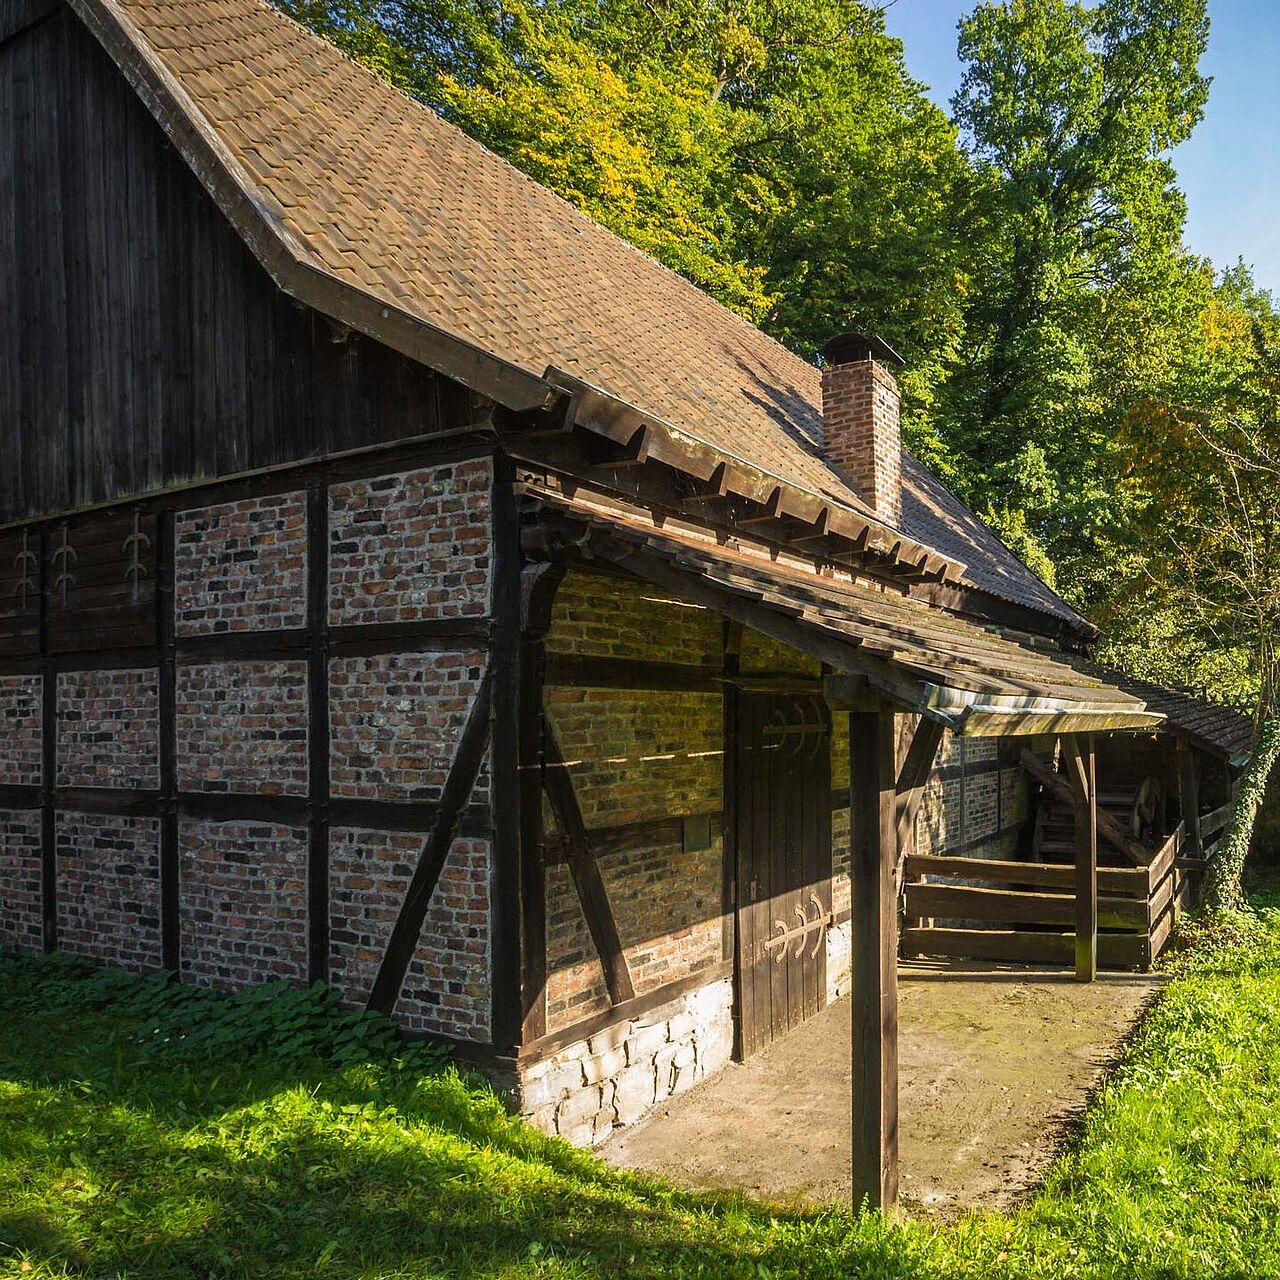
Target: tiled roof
1209, 725
364, 186
976, 679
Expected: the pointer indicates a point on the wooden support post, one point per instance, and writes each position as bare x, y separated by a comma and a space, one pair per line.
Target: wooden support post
167, 693
1078, 750
731, 633
538, 586
1189, 807
318, 732
873, 799
509, 739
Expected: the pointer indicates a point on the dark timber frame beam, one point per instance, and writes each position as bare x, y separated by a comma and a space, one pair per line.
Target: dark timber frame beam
914, 777
873, 812
1108, 826
585, 870
167, 689
539, 584
318, 731
1081, 764
417, 899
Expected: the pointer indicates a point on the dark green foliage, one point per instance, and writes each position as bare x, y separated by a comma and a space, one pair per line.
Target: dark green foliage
171, 1023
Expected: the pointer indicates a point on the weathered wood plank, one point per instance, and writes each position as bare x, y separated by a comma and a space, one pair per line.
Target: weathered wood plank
1118, 881
142, 345
873, 793
1212, 823
1007, 906
1115, 950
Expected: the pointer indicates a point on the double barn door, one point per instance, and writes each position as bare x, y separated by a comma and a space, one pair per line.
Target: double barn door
782, 838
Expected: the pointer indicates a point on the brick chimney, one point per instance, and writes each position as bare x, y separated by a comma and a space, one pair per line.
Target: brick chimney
860, 420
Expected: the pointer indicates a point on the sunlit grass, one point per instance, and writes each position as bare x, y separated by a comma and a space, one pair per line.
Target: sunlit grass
144, 1135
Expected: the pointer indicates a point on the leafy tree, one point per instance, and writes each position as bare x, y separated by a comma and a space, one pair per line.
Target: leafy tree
1070, 111
1201, 476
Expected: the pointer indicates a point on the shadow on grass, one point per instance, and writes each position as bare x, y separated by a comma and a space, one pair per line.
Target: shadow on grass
114, 1167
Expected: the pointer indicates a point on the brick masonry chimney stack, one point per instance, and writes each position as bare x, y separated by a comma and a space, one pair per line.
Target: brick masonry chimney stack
861, 432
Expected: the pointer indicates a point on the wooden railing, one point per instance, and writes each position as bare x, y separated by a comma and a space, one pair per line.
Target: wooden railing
1214, 822
1025, 911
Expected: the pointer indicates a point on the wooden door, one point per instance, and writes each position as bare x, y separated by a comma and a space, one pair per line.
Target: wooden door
782, 839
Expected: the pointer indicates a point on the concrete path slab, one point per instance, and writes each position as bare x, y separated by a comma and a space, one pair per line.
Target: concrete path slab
995, 1060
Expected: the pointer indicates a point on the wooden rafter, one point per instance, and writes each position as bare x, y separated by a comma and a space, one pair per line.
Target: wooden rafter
914, 776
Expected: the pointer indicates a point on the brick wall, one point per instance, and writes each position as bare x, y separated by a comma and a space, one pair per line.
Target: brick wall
415, 546
447, 986
242, 903
20, 734
20, 892
108, 729
667, 906
395, 721
242, 726
638, 759
241, 566
109, 889
411, 546
610, 617
637, 755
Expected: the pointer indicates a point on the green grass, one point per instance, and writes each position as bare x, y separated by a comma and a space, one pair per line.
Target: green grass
149, 1132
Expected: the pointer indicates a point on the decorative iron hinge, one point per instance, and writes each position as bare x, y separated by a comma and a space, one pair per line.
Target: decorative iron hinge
785, 935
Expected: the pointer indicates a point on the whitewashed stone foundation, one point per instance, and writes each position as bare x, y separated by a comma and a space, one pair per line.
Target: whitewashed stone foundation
587, 1089
839, 961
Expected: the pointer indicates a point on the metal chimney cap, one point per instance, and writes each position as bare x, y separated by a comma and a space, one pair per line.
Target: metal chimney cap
847, 348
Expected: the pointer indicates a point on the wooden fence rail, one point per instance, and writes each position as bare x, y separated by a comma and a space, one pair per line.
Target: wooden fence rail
1024, 911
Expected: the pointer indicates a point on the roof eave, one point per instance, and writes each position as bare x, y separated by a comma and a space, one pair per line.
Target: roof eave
985, 715
599, 411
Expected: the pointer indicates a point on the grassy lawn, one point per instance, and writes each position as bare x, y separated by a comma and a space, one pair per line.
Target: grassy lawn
155, 1132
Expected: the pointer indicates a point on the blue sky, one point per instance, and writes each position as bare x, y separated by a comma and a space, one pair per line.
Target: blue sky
1230, 169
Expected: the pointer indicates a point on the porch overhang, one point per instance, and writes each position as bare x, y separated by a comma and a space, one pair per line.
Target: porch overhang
984, 716
879, 644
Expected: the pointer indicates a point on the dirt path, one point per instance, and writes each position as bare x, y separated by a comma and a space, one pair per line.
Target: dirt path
994, 1061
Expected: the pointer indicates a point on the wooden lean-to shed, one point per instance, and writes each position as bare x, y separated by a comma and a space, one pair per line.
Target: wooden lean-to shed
405, 584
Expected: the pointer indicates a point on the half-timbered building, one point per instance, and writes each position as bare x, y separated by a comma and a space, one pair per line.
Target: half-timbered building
406, 585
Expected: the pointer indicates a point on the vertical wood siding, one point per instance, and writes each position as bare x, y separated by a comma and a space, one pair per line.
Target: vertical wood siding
141, 345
